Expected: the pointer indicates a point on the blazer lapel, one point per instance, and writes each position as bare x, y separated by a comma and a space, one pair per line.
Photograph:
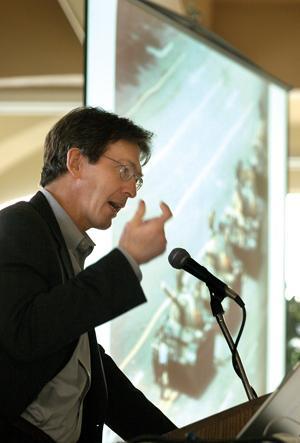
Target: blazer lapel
39, 202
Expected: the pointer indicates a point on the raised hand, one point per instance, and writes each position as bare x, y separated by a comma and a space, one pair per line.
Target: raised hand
145, 239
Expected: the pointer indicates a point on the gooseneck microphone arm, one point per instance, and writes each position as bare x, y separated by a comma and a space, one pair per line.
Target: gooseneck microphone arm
217, 311
180, 259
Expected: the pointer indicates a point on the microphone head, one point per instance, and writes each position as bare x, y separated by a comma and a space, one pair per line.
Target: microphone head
177, 257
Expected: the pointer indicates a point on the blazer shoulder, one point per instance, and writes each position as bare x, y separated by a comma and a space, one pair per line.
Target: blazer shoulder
19, 213
31, 228
24, 231
34, 214
19, 217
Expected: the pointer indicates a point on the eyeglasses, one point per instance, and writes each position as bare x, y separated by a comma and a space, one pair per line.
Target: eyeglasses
127, 172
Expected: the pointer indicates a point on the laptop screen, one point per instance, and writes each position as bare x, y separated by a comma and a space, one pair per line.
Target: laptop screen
280, 413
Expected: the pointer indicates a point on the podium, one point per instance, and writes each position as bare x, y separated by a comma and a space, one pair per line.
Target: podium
224, 425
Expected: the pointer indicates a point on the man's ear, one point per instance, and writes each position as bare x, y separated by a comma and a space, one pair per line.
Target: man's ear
74, 161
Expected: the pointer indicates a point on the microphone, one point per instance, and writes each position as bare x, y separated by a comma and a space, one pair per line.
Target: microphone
179, 258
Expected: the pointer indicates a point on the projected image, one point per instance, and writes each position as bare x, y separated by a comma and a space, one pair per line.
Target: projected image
209, 163
218, 160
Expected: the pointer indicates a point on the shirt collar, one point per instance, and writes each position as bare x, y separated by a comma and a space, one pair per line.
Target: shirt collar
72, 235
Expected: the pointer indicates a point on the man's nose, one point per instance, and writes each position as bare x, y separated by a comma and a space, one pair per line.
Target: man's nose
130, 187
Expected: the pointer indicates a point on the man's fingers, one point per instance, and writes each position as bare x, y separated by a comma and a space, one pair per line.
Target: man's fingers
140, 212
166, 212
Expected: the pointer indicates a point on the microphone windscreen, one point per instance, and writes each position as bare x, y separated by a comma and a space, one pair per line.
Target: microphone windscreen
178, 257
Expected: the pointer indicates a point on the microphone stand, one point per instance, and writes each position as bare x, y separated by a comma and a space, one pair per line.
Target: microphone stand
217, 311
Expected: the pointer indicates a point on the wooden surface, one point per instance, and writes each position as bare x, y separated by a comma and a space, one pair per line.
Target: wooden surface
223, 425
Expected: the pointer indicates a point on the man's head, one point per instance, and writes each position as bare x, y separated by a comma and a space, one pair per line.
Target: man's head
92, 164
91, 130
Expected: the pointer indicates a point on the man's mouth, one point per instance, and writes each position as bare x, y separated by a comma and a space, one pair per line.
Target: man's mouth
116, 206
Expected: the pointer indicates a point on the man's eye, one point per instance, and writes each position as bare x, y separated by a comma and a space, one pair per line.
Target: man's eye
127, 171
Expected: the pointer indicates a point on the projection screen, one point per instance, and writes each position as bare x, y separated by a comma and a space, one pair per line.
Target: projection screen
219, 161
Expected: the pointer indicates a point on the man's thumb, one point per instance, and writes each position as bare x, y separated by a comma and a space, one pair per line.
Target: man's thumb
140, 212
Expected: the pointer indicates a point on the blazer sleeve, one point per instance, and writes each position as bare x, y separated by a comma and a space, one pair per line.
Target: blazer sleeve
40, 315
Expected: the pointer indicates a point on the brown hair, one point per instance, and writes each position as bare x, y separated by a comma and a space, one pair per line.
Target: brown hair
90, 130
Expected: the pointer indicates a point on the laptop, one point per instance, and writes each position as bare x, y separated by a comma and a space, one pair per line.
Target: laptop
280, 413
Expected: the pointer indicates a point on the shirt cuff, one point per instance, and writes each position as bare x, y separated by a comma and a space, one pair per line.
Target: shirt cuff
133, 263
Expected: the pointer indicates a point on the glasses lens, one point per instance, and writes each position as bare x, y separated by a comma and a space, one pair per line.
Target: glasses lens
126, 173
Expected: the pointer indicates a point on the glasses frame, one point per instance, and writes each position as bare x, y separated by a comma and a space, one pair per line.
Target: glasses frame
126, 178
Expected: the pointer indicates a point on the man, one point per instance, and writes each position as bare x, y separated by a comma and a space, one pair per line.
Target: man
56, 383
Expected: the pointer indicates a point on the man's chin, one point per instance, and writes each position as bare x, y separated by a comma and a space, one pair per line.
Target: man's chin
104, 225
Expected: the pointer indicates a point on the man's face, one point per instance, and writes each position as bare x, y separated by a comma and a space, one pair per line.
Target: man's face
101, 190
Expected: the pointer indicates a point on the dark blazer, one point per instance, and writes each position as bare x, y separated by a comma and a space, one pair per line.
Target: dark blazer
44, 309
